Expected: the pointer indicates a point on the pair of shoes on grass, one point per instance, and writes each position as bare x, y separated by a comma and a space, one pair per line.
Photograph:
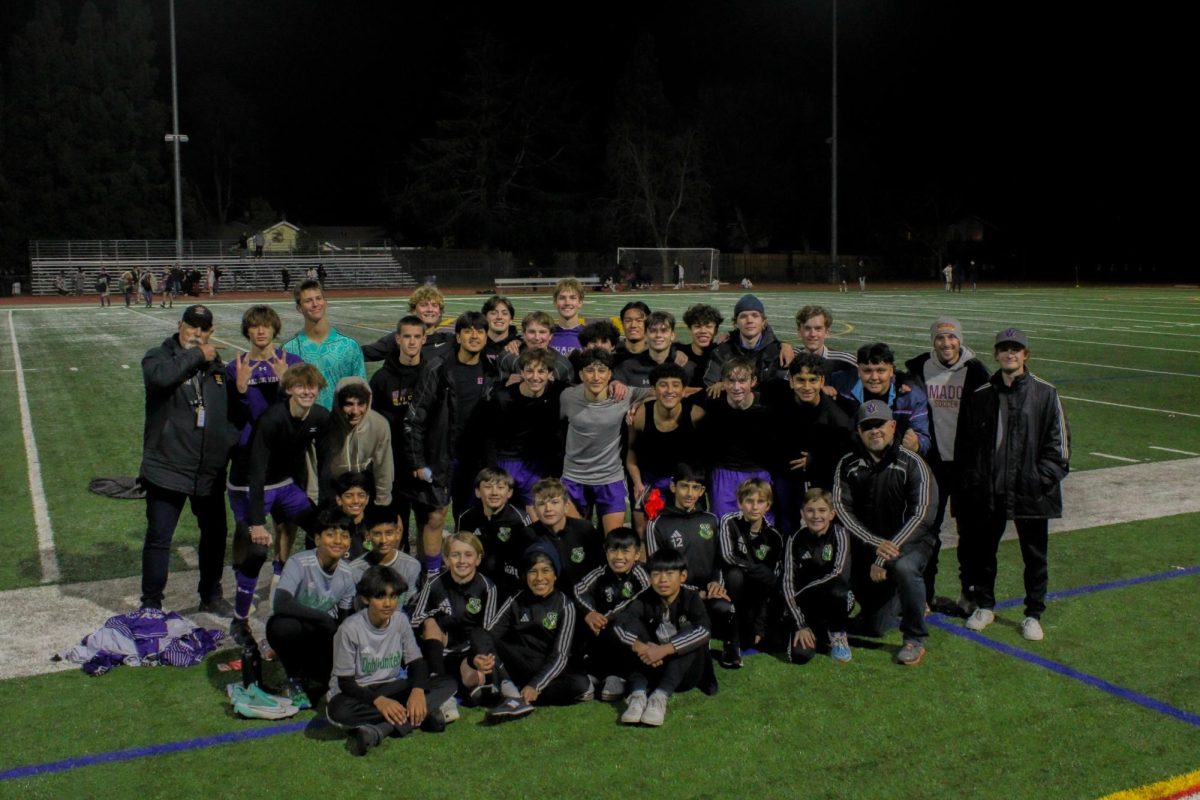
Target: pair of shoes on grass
643, 710
1030, 627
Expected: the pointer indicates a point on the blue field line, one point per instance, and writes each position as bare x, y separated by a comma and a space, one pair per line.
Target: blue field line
1103, 587
941, 622
133, 753
938, 621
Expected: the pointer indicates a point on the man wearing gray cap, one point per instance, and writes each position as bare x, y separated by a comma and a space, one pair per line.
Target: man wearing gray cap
1012, 449
947, 373
186, 445
885, 496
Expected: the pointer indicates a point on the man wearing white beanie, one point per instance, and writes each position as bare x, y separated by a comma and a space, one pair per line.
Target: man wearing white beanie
946, 373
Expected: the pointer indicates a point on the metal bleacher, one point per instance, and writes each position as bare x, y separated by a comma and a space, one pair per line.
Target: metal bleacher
358, 265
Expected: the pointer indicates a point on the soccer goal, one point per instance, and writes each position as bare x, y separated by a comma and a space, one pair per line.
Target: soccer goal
701, 265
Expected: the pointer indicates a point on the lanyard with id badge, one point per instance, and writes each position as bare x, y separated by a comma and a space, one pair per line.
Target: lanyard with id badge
197, 382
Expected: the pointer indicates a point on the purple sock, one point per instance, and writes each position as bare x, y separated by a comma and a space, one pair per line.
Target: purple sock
277, 567
245, 594
432, 563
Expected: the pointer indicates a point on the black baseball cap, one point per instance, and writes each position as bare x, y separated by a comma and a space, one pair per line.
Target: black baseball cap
873, 410
198, 317
1014, 336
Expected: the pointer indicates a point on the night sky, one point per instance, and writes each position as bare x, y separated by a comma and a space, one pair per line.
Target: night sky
1058, 123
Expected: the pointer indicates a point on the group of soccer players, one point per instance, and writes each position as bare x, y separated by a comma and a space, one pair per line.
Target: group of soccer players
767, 489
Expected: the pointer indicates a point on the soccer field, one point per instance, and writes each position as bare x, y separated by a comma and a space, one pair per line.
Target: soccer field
1109, 701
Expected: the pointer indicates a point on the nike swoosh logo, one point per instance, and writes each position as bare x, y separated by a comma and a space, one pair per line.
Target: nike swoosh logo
436, 345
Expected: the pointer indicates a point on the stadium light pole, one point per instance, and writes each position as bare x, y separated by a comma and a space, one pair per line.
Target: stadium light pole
833, 154
175, 139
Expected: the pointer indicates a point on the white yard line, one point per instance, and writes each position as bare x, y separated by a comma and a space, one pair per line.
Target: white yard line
1135, 408
1173, 450
47, 554
1117, 458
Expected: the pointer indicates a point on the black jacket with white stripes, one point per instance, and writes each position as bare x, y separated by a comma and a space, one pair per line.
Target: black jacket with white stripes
757, 554
894, 498
458, 608
812, 561
542, 625
683, 623
608, 592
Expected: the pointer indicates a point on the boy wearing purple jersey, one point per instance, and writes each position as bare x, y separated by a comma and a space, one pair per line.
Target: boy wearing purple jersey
255, 376
568, 300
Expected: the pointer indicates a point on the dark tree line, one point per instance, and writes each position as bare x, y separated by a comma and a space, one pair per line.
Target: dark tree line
82, 129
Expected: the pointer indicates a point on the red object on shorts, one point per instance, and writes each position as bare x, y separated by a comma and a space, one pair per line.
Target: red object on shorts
654, 503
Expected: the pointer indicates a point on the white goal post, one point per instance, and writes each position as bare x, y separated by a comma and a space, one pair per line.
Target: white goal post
701, 265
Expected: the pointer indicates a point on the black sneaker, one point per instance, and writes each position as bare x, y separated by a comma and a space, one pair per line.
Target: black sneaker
731, 656
512, 708
434, 722
363, 739
217, 606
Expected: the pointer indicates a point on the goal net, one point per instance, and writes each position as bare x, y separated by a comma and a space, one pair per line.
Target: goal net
701, 265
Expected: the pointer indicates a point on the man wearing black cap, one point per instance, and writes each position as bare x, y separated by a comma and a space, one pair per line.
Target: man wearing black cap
885, 496
1013, 449
186, 446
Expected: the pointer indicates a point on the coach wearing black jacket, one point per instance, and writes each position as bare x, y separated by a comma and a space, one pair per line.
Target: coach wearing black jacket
885, 495
186, 445
1012, 450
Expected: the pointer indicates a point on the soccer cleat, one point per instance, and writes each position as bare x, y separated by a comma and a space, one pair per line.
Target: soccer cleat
839, 648
911, 654
298, 696
656, 710
731, 656
635, 709
449, 711
613, 689
1031, 629
509, 690
980, 618
513, 708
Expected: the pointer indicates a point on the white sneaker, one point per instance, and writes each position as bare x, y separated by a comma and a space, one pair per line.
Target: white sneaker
637, 707
1031, 629
656, 710
449, 711
614, 689
980, 618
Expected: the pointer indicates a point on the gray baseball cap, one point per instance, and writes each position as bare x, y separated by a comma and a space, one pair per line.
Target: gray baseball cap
873, 410
1014, 335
